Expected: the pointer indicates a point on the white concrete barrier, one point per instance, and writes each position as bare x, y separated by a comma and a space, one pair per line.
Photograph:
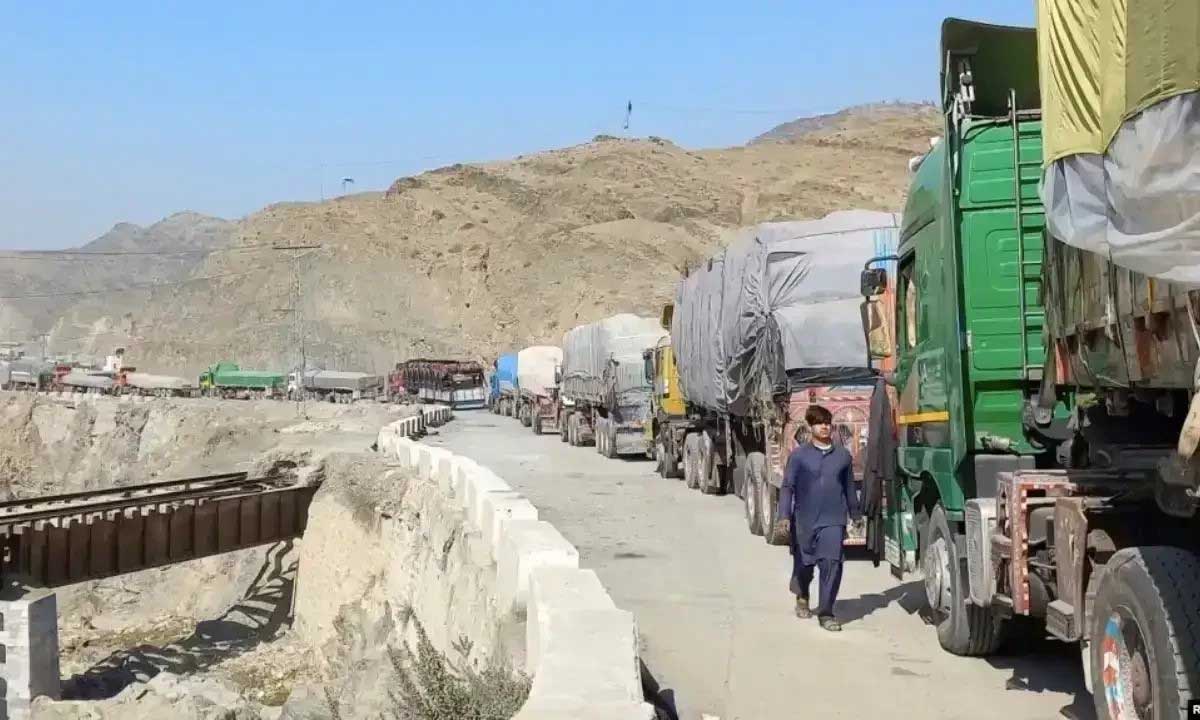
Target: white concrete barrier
580, 649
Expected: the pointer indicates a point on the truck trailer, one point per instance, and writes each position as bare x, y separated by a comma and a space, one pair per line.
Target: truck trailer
1047, 349
227, 380
334, 385
605, 397
765, 328
131, 382
457, 383
537, 387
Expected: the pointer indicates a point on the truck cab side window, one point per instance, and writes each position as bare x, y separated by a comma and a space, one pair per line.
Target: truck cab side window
909, 289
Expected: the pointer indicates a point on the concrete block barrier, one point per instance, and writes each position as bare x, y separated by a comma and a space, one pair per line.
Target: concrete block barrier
580, 649
528, 544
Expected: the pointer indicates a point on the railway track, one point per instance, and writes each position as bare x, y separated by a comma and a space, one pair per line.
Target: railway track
58, 540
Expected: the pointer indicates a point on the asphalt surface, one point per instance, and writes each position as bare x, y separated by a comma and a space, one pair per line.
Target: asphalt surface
715, 616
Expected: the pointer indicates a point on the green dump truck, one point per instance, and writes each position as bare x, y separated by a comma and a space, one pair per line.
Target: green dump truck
227, 380
1045, 450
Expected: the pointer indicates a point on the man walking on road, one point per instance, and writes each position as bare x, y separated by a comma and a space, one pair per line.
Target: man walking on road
818, 497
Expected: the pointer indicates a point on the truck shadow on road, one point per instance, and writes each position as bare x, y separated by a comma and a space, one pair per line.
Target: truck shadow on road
1037, 663
261, 614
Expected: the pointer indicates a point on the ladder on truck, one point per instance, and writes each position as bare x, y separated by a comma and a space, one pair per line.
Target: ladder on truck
1030, 221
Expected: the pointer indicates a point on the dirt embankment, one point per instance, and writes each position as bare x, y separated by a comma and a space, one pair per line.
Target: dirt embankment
207, 638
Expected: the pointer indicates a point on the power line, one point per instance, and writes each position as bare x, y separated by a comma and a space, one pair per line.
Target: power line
86, 255
132, 288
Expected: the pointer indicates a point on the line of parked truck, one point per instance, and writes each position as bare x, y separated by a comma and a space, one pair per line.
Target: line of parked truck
716, 388
454, 382
1025, 335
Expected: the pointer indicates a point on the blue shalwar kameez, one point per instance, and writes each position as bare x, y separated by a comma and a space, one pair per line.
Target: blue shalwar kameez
819, 496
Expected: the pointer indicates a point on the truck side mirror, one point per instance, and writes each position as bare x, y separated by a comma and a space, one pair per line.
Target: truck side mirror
872, 282
557, 375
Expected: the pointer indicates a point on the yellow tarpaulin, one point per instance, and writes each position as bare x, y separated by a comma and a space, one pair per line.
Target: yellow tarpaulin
1103, 61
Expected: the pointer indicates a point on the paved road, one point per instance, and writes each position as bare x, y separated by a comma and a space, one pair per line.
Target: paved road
715, 617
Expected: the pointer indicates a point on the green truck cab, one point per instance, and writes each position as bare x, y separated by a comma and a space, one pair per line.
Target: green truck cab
1032, 480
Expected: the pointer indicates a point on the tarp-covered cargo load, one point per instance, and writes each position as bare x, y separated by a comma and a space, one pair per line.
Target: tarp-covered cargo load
82, 379
535, 368
588, 350
147, 381
339, 380
782, 298
1121, 124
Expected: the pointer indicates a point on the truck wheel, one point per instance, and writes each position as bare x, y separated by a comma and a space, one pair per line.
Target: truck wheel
535, 422
691, 452
563, 419
756, 464
1145, 637
718, 478
526, 416
774, 533
668, 467
573, 430
962, 628
600, 433
713, 476
610, 440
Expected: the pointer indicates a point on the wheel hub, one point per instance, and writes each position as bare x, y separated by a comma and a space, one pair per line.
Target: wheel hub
936, 568
1125, 672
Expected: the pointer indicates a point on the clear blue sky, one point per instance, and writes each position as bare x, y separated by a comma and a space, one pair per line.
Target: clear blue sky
123, 111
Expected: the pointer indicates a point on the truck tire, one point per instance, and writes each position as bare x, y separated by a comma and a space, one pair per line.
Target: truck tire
573, 430
601, 432
775, 532
535, 423
691, 453
962, 628
714, 476
669, 466
610, 439
563, 419
756, 475
1145, 634
526, 416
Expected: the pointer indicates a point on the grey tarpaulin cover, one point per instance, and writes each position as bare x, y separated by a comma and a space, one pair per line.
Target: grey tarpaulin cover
535, 368
1137, 204
587, 350
781, 297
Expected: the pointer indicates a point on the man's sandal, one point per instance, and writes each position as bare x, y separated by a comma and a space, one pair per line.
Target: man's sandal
831, 624
802, 610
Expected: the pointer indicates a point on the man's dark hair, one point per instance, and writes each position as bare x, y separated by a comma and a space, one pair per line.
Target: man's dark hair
818, 415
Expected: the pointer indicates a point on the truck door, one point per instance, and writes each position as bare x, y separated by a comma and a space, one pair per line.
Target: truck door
900, 543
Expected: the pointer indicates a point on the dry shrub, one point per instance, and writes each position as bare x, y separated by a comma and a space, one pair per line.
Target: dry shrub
432, 688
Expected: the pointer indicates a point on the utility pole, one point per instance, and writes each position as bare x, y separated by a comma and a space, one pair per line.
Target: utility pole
297, 314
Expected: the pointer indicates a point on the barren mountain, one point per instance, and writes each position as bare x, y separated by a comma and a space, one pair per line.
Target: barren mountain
65, 295
474, 259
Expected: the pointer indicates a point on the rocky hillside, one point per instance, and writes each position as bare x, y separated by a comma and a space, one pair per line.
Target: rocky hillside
68, 301
473, 259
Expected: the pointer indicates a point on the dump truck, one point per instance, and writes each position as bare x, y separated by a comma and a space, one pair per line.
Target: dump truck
765, 328
228, 380
1047, 347
537, 387
457, 383
334, 385
502, 385
604, 396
